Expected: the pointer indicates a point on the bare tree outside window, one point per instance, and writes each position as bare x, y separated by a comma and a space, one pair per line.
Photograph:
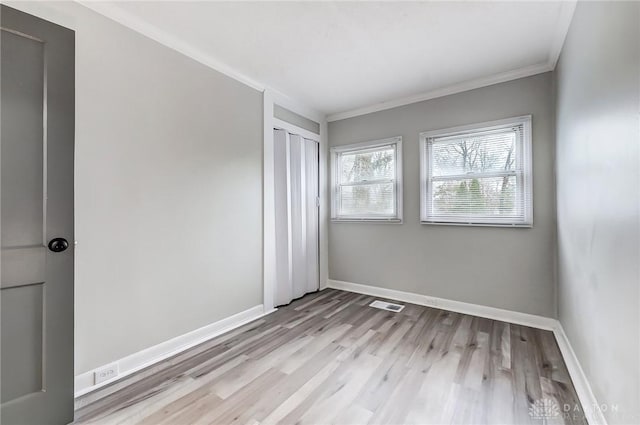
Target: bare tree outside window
472, 156
479, 175
371, 174
366, 181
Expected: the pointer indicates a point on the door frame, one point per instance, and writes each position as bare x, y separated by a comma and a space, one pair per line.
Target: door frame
271, 98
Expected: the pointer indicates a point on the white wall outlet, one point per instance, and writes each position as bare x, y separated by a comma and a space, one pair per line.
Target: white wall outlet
105, 373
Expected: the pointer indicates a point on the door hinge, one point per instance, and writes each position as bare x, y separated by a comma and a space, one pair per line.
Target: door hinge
317, 201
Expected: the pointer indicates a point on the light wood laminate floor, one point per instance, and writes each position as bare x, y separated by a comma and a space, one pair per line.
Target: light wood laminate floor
330, 358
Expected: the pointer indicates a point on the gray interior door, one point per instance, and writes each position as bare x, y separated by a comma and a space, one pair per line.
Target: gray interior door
36, 290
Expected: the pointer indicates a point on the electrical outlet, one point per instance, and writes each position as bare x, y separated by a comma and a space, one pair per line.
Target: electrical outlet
105, 373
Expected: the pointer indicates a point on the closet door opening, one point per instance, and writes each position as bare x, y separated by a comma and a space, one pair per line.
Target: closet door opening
297, 215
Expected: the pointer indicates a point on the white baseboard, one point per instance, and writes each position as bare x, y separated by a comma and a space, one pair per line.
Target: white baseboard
518, 318
84, 383
583, 389
323, 285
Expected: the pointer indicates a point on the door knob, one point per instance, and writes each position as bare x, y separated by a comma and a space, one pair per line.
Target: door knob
58, 244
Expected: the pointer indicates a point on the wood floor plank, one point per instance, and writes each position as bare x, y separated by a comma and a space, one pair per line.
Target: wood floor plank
311, 299
285, 389
301, 357
353, 414
330, 358
395, 409
382, 383
294, 406
242, 375
202, 384
238, 403
348, 382
187, 409
435, 388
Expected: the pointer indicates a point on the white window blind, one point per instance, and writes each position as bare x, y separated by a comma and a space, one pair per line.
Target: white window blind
478, 175
365, 181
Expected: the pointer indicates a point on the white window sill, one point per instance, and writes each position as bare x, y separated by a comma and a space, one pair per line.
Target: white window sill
367, 220
472, 224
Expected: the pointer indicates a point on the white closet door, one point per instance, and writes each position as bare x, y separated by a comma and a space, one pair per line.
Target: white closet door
296, 192
311, 199
283, 230
298, 216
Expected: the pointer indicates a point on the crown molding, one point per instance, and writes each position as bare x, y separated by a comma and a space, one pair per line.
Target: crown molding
565, 17
567, 9
446, 91
117, 14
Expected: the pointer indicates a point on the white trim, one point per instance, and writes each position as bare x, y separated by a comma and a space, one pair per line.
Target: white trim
112, 11
524, 170
579, 379
84, 382
494, 313
581, 384
324, 204
268, 205
297, 107
372, 144
294, 129
271, 98
567, 9
445, 91
116, 13
476, 127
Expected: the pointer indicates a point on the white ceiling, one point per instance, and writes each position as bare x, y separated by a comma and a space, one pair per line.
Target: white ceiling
355, 57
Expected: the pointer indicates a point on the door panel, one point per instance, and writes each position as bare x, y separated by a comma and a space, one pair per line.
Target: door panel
36, 164
283, 229
312, 223
296, 216
22, 341
297, 212
23, 141
23, 266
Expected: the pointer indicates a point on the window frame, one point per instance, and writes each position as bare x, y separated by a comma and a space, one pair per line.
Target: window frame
524, 166
338, 151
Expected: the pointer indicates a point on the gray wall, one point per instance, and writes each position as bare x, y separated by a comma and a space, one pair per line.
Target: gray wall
598, 162
168, 190
295, 119
499, 267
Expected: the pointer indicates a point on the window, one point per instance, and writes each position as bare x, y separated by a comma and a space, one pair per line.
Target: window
367, 181
477, 175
